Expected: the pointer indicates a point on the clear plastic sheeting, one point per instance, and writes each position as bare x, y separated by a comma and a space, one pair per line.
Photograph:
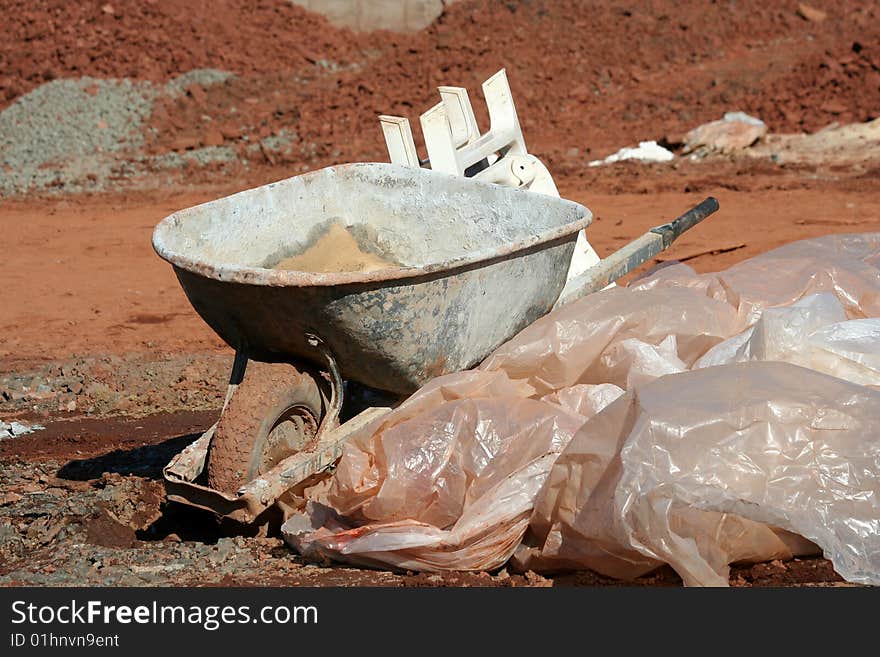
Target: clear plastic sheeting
765, 442
694, 420
447, 481
813, 333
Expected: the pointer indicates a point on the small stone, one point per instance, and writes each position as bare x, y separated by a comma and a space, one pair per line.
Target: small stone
534, 579
13, 429
52, 531
811, 14
230, 132
9, 498
184, 143
212, 138
41, 394
833, 107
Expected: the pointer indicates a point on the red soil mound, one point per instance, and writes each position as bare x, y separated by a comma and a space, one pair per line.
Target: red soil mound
588, 75
156, 39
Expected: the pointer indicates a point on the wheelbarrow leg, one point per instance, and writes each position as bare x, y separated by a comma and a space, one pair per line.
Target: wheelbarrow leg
239, 364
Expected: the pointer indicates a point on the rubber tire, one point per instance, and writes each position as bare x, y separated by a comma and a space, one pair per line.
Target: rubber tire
268, 394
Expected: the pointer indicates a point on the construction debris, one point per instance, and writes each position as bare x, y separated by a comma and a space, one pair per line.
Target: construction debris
646, 151
14, 429
735, 132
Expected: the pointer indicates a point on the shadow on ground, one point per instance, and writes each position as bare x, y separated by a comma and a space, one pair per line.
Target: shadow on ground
146, 461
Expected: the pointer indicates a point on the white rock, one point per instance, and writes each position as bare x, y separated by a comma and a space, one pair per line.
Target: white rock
646, 151
735, 132
14, 429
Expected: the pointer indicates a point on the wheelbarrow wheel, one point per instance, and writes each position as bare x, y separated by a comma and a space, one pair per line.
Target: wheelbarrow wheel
274, 413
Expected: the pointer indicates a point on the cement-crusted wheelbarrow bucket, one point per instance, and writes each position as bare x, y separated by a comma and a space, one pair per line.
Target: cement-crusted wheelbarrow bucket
476, 263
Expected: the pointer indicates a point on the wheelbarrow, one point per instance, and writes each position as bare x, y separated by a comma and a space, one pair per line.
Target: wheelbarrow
466, 266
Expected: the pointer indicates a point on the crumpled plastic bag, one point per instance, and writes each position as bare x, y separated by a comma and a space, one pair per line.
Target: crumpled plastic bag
695, 420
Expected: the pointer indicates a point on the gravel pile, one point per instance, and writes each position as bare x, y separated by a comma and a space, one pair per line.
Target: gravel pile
85, 134
67, 132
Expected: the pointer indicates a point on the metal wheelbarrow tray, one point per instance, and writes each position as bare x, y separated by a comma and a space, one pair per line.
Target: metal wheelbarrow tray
475, 264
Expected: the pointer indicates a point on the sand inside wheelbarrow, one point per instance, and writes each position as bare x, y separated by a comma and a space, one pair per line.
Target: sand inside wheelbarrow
335, 251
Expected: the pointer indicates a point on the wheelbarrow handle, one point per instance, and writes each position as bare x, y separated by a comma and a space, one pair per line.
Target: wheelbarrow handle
641, 249
671, 231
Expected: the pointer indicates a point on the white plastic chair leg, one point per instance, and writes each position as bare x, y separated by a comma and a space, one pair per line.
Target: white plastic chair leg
454, 145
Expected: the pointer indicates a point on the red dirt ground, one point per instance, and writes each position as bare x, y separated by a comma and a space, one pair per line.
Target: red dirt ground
81, 278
